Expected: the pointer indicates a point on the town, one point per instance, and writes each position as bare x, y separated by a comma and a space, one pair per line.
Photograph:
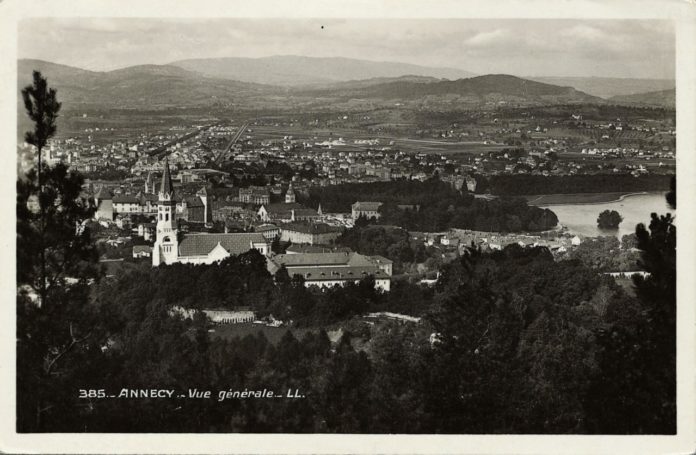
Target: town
230, 188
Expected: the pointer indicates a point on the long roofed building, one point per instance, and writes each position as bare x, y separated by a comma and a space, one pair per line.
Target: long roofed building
330, 269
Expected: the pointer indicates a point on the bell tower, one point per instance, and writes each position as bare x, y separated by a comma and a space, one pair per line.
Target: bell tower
290, 195
166, 246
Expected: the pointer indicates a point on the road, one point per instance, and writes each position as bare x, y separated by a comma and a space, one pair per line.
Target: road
233, 141
162, 150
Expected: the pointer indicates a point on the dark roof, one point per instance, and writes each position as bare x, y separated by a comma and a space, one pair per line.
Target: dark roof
125, 199
377, 259
283, 208
194, 202
310, 228
103, 194
319, 259
202, 244
367, 206
305, 212
255, 190
307, 259
167, 187
299, 248
142, 248
266, 228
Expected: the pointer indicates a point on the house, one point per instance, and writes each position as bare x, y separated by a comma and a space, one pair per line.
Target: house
225, 316
125, 203
368, 210
331, 269
104, 202
197, 209
287, 212
255, 195
123, 221
449, 241
146, 230
229, 209
270, 231
142, 251
309, 233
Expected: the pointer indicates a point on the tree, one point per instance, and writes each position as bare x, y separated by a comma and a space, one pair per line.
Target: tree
42, 108
672, 194
609, 219
56, 261
635, 391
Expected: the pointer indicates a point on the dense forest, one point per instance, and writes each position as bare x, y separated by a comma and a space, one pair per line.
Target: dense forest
521, 344
436, 207
525, 184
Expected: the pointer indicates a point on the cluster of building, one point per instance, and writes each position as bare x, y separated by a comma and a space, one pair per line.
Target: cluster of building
317, 269
462, 238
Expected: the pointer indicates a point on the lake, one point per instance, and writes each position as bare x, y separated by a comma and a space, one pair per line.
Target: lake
636, 208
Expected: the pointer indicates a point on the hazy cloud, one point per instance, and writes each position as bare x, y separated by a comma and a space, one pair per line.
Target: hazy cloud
618, 48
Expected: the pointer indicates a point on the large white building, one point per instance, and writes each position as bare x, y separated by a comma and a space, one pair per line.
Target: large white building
369, 210
171, 247
331, 269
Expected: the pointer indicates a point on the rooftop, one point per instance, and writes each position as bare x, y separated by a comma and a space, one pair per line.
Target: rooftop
310, 228
235, 243
367, 206
323, 259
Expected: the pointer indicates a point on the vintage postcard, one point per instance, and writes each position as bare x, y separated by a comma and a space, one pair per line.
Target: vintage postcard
385, 227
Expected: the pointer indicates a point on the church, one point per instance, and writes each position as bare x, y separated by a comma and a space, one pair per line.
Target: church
171, 246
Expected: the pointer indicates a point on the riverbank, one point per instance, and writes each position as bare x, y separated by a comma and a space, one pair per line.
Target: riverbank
579, 198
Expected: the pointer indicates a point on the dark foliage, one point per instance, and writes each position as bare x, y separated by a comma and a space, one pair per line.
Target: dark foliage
439, 207
524, 184
609, 219
636, 390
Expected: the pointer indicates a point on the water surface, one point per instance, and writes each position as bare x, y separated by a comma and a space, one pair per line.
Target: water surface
582, 218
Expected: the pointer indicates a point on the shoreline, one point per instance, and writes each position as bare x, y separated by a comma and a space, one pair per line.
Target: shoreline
621, 197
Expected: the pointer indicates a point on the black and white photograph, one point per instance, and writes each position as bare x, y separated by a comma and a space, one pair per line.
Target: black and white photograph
337, 225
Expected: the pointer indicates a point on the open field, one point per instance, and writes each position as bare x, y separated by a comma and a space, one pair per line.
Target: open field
405, 144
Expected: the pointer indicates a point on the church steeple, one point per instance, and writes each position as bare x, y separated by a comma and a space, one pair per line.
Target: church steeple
165, 250
166, 188
149, 187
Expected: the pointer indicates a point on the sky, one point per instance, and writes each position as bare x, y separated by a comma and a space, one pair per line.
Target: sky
523, 47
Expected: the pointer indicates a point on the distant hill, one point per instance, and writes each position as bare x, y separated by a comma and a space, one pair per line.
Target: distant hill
662, 98
290, 70
606, 87
137, 86
489, 88
162, 86
362, 83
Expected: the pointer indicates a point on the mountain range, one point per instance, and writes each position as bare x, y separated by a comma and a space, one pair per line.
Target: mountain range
299, 81
659, 98
138, 86
291, 70
607, 87
479, 89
